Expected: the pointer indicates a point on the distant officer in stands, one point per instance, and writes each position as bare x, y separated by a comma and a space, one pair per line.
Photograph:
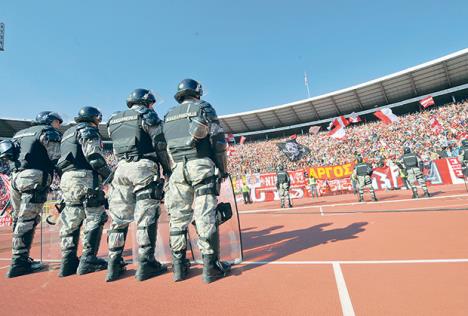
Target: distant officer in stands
463, 157
313, 186
84, 168
283, 184
413, 165
33, 169
362, 173
137, 189
246, 193
197, 146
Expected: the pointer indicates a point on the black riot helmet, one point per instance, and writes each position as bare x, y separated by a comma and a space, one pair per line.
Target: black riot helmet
359, 159
141, 97
9, 150
47, 117
465, 142
280, 168
89, 114
407, 150
188, 88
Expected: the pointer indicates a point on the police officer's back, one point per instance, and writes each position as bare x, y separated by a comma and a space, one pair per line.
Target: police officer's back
84, 168
196, 143
136, 190
38, 149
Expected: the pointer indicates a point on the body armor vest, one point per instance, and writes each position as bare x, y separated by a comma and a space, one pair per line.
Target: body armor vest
33, 154
410, 160
129, 139
282, 177
71, 153
180, 143
362, 169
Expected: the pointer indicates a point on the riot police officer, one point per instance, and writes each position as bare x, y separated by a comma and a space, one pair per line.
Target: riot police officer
136, 189
196, 143
362, 173
84, 167
33, 167
413, 165
283, 183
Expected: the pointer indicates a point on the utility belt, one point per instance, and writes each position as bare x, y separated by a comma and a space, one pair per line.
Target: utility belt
189, 157
136, 157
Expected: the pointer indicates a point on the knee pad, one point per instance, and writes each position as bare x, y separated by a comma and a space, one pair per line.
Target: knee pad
208, 186
95, 198
154, 191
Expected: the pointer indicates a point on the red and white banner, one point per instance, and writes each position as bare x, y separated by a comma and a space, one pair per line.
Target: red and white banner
427, 102
436, 127
338, 132
242, 140
386, 115
230, 138
230, 150
336, 179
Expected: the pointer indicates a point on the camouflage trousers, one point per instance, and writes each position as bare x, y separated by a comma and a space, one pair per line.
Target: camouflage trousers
415, 174
28, 194
131, 199
185, 200
364, 182
75, 185
283, 192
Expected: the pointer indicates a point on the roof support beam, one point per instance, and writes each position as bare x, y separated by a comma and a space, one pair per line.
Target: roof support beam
384, 93
243, 122
228, 126
295, 115
336, 106
260, 121
413, 84
447, 74
358, 99
315, 110
277, 117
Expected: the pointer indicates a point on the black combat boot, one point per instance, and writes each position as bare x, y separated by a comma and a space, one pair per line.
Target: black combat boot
415, 194
116, 264
70, 261
22, 264
361, 198
213, 268
427, 194
89, 262
148, 266
180, 265
374, 198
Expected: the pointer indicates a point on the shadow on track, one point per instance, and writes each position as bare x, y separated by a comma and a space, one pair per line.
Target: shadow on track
269, 245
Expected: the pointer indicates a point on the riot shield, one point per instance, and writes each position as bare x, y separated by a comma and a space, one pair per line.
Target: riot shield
229, 231
5, 219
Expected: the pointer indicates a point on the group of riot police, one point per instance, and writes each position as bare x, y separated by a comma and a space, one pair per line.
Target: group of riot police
181, 159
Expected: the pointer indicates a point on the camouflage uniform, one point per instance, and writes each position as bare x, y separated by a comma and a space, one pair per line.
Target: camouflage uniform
30, 181
82, 162
136, 189
412, 163
197, 146
283, 184
362, 173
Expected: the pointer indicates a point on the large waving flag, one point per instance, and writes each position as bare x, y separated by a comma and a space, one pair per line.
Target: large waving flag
386, 115
293, 150
338, 132
354, 118
427, 101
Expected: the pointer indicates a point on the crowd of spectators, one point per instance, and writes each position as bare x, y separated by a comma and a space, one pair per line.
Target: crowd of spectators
377, 142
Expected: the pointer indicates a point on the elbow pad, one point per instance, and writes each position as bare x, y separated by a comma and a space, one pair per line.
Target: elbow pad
99, 164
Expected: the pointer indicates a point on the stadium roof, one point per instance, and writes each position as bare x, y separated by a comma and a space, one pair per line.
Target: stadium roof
440, 74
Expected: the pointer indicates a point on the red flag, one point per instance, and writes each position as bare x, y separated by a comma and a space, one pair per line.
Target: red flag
294, 136
427, 101
242, 140
338, 132
338, 121
436, 127
386, 116
354, 118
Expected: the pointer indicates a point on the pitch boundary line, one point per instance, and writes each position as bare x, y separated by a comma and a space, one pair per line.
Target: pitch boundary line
345, 300
351, 204
357, 262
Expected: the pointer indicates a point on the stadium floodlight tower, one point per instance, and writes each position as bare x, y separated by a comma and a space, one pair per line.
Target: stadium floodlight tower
2, 33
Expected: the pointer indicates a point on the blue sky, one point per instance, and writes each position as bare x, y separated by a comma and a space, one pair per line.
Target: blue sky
61, 55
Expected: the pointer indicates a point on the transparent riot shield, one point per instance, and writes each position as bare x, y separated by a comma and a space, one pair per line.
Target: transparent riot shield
50, 234
229, 231
162, 251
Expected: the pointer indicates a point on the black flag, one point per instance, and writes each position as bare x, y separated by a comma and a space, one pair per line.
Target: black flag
293, 150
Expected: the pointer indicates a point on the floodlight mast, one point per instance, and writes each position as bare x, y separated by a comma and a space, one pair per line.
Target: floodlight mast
2, 36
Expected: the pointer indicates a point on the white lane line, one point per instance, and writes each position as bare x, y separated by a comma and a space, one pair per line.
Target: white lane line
325, 262
346, 305
349, 204
4, 267
321, 211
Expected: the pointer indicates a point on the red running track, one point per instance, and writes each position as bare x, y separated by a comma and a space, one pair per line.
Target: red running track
330, 256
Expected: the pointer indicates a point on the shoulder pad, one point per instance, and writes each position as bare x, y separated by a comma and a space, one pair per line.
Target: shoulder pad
89, 132
150, 117
209, 111
53, 135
